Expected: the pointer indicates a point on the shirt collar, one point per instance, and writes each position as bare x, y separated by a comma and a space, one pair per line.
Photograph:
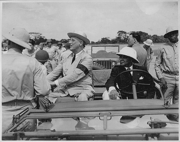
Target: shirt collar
79, 53
131, 67
176, 44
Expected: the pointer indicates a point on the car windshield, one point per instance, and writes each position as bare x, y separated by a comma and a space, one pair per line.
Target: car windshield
114, 48
107, 49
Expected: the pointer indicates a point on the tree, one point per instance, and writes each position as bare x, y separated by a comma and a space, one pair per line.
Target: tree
114, 41
122, 36
105, 40
144, 36
155, 38
92, 42
39, 40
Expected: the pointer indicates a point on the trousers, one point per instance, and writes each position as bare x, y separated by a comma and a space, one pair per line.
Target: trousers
172, 91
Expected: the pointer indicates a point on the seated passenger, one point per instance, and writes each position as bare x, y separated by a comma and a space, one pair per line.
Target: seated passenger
76, 69
128, 57
77, 76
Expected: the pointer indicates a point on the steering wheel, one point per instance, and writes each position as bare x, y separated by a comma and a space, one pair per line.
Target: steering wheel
141, 79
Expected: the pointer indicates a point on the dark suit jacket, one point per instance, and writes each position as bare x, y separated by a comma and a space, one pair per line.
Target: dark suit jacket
127, 78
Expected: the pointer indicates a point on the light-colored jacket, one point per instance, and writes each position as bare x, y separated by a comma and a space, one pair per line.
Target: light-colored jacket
64, 54
77, 76
22, 77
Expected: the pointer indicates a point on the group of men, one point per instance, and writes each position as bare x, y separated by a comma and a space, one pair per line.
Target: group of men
23, 78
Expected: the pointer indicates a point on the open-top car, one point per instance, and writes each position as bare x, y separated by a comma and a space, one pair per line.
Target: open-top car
105, 117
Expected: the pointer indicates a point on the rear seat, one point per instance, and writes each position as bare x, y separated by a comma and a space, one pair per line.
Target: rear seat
99, 79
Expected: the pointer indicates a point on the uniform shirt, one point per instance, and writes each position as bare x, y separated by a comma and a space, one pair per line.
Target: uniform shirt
44, 69
167, 61
22, 77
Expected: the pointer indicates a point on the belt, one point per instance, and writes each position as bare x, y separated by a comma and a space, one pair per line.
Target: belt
170, 73
17, 103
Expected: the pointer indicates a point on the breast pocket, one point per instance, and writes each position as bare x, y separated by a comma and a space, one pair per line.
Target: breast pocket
169, 56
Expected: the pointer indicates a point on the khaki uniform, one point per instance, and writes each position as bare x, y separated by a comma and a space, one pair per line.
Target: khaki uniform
22, 79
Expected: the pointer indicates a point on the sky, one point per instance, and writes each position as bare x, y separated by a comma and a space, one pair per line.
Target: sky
96, 18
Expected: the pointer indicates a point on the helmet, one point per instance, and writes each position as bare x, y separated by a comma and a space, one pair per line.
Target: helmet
42, 56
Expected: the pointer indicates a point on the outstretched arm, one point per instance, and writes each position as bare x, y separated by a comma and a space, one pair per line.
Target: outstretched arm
82, 70
55, 73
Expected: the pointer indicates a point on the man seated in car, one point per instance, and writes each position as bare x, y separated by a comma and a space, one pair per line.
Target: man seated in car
128, 57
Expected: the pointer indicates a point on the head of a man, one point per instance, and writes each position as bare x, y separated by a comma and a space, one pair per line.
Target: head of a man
76, 44
148, 43
125, 60
59, 44
171, 35
31, 44
173, 38
133, 38
41, 45
42, 56
67, 46
127, 56
77, 41
18, 39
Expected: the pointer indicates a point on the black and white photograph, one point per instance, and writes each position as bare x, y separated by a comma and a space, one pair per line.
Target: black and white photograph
90, 70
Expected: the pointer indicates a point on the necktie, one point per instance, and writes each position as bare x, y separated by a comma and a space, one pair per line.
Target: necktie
128, 68
74, 57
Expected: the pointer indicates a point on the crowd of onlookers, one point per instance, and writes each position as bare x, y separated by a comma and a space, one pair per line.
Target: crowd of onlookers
47, 52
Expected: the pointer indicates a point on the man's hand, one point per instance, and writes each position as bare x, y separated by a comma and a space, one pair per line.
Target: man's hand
44, 103
53, 86
113, 95
163, 83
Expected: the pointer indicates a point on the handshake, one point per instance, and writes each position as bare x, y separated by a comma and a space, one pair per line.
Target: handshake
53, 86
